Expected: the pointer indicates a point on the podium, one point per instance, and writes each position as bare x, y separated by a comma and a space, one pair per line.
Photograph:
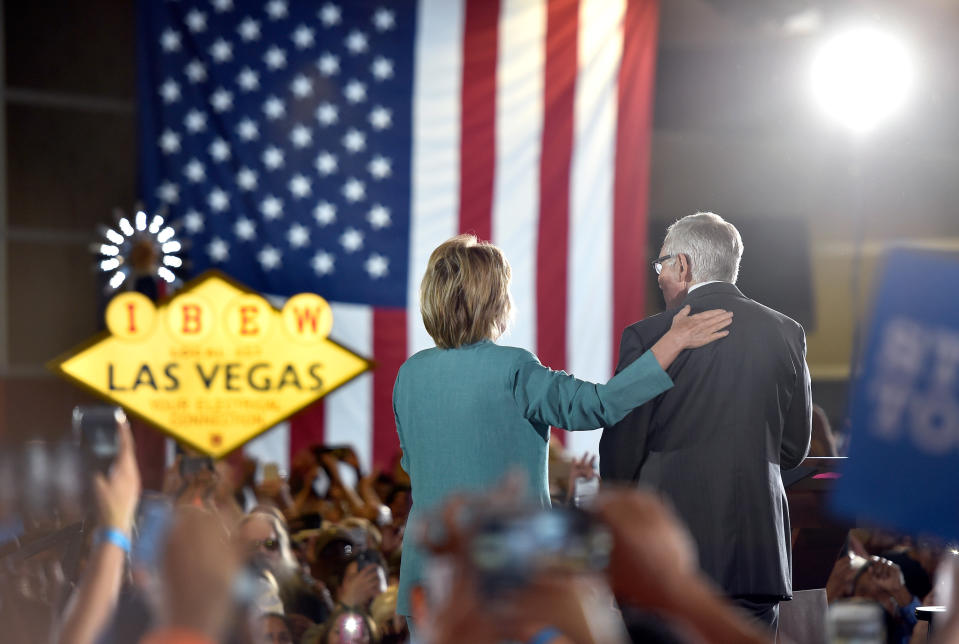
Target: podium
817, 537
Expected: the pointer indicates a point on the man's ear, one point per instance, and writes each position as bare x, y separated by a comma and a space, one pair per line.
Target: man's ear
685, 269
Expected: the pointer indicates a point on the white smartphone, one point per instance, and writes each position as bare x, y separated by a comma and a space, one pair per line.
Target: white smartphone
585, 491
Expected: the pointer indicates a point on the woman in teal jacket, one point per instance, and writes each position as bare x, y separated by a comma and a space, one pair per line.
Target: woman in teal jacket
468, 410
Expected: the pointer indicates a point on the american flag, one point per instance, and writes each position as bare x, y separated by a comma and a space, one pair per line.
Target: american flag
329, 147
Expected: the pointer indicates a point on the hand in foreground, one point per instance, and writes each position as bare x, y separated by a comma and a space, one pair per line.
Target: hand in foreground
700, 329
117, 494
653, 556
840, 580
359, 587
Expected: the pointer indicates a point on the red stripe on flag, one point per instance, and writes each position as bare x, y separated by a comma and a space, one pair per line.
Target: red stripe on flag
307, 428
633, 137
552, 252
478, 117
389, 350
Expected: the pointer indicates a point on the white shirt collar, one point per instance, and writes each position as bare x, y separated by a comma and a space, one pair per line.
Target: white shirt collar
695, 286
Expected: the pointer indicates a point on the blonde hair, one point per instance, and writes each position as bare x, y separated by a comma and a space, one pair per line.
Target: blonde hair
464, 295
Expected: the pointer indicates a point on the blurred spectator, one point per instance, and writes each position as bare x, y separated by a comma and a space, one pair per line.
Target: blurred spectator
271, 628
264, 541
117, 494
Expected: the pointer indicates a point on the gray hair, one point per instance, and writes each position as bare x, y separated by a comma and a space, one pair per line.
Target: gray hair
712, 244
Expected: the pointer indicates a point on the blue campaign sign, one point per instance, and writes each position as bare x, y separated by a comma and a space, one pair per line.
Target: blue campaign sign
903, 467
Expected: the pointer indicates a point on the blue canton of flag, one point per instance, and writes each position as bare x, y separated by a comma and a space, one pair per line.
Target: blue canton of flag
279, 135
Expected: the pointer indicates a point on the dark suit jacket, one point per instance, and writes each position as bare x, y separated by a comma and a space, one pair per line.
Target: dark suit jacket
714, 444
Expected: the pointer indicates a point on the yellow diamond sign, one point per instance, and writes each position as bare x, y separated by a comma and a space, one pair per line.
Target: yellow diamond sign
215, 365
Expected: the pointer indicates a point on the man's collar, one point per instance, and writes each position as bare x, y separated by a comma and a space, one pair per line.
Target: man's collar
710, 288
697, 285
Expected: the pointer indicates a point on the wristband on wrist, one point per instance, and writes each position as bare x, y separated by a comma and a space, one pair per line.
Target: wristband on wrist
117, 538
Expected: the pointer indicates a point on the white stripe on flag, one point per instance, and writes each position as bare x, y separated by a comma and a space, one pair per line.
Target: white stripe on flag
272, 446
348, 411
590, 312
437, 83
519, 129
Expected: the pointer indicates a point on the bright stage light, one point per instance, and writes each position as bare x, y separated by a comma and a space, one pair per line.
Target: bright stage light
862, 76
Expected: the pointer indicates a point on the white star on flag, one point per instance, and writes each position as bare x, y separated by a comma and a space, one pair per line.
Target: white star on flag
379, 217
219, 150
170, 142
218, 250
245, 229
195, 121
274, 108
194, 171
324, 213
221, 100
326, 114
298, 236
273, 158
275, 58
325, 163
221, 51
379, 167
249, 30
355, 91
248, 80
222, 6
196, 21
381, 118
384, 20
193, 222
354, 140
299, 186
382, 68
219, 200
328, 64
277, 9
170, 41
246, 179
170, 91
322, 263
303, 37
351, 240
301, 136
330, 15
248, 130
376, 265
356, 42
269, 258
354, 190
168, 192
301, 86
271, 207
195, 71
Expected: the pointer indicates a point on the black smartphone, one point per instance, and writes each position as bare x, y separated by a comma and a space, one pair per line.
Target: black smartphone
509, 550
95, 427
193, 465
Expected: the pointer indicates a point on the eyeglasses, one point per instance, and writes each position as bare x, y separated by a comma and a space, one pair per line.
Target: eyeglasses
657, 263
270, 544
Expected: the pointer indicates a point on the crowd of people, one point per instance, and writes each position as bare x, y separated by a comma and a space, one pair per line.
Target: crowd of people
219, 556
483, 530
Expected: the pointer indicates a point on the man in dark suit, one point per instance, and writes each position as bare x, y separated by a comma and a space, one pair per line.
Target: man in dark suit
740, 413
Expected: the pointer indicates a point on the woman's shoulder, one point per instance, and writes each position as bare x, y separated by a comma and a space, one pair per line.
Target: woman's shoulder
485, 352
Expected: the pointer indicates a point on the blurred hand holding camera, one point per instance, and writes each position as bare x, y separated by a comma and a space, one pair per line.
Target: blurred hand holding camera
118, 492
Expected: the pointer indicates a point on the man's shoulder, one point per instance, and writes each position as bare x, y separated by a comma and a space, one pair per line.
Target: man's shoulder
652, 324
775, 316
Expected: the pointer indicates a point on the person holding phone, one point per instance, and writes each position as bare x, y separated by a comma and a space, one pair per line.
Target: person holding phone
467, 411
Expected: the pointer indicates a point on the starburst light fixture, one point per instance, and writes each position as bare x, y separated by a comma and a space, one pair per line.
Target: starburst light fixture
143, 246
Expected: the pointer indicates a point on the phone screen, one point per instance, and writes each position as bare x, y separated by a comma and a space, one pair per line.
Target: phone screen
153, 523
96, 428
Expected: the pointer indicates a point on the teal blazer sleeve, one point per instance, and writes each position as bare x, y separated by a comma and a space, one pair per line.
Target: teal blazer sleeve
558, 399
